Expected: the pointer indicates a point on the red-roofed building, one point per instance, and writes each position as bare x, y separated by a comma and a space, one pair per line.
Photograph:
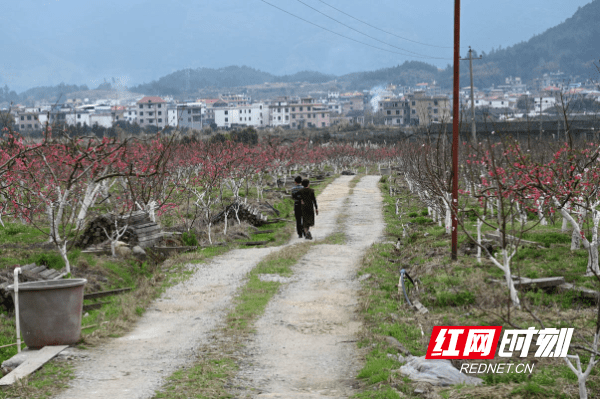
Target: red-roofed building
152, 111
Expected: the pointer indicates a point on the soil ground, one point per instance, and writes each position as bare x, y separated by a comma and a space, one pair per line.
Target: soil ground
304, 344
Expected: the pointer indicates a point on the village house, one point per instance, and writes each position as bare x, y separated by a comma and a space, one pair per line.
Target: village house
130, 114
491, 103
334, 107
188, 115
395, 111
425, 110
242, 115
543, 103
152, 111
279, 112
28, 119
308, 113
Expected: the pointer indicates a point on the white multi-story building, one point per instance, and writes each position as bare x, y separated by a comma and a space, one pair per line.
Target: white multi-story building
544, 103
130, 114
152, 111
190, 115
172, 115
101, 119
236, 99
243, 115
79, 117
491, 102
279, 113
334, 107
225, 116
28, 119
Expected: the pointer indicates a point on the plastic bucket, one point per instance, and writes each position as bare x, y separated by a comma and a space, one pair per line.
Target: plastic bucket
50, 311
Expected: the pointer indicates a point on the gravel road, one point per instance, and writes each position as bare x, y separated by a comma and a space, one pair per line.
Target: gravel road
305, 345
299, 342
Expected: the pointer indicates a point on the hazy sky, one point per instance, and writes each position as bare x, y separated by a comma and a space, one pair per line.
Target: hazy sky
85, 41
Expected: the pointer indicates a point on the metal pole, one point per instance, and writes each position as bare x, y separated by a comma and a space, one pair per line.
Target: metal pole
455, 104
18, 320
541, 100
473, 129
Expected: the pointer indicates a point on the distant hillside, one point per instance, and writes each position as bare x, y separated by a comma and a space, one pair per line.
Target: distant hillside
51, 93
571, 47
407, 74
192, 80
98, 94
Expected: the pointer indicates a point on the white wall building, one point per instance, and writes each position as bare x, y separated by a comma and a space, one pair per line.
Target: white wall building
334, 107
279, 114
546, 102
245, 115
79, 117
130, 114
190, 115
225, 116
491, 103
172, 116
102, 119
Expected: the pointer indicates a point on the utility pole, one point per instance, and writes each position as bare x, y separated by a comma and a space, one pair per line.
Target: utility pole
455, 133
473, 128
541, 98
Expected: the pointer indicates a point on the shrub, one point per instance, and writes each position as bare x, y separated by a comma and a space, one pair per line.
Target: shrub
462, 298
189, 239
422, 220
549, 238
50, 260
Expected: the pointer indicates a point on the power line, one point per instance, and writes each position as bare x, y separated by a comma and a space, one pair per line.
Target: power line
345, 37
364, 34
384, 31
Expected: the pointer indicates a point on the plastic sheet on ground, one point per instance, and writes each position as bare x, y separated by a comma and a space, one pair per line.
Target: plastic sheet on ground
436, 372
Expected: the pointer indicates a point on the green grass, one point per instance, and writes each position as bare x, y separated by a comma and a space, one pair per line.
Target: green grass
45, 383
378, 366
206, 379
251, 302
17, 233
255, 295
453, 293
337, 238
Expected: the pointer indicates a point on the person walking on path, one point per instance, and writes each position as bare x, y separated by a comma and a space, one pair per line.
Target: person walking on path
298, 206
309, 207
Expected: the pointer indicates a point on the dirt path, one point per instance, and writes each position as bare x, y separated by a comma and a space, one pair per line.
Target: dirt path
305, 345
166, 337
